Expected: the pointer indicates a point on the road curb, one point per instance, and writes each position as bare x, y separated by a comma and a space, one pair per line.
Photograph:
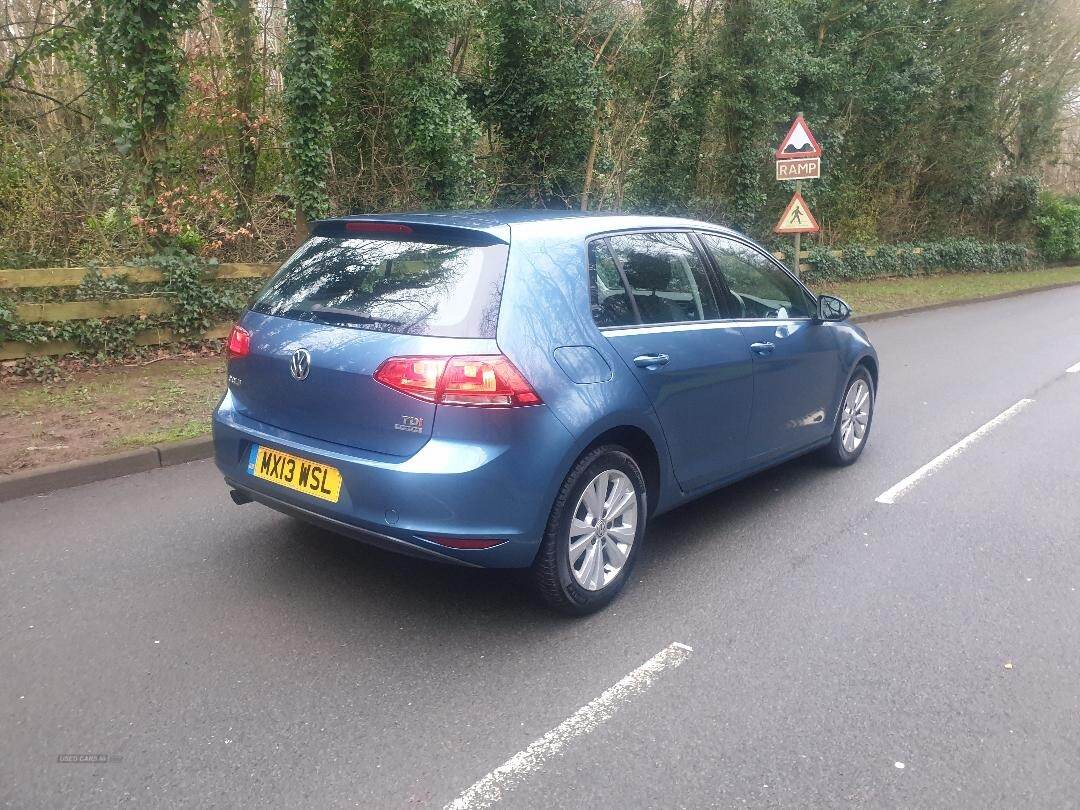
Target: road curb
183, 452
86, 471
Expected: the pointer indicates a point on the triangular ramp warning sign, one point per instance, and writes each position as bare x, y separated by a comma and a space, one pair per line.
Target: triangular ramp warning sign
799, 142
797, 218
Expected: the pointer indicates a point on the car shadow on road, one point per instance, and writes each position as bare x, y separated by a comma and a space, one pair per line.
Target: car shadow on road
303, 559
720, 516
320, 570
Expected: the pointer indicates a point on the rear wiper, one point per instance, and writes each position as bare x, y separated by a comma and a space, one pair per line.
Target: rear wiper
353, 316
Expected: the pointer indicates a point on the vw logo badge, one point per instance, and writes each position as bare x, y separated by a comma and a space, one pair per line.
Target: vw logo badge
300, 365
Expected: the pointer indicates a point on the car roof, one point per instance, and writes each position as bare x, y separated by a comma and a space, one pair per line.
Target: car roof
496, 221
471, 219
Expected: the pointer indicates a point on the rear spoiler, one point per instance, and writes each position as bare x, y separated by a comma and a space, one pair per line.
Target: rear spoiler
403, 230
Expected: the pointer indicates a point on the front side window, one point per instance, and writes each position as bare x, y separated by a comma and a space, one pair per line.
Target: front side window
665, 279
757, 287
414, 288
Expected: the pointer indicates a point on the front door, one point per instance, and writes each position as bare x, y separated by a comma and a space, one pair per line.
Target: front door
654, 302
796, 361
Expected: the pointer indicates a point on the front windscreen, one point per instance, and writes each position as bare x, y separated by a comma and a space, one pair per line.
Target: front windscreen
414, 288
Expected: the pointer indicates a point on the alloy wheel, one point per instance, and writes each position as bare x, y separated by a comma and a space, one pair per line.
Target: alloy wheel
855, 417
602, 529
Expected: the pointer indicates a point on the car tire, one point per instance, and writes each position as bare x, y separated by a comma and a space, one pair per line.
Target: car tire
584, 579
846, 445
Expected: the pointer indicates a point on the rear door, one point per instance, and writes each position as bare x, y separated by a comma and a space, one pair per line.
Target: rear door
654, 302
796, 361
344, 303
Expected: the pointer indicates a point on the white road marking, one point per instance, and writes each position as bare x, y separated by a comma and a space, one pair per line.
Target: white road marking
1073, 369
892, 493
492, 787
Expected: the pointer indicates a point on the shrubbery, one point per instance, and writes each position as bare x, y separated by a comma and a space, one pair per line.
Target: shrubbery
858, 262
1057, 224
126, 128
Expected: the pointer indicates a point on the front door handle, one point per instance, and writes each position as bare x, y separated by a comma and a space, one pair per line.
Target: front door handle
651, 361
763, 349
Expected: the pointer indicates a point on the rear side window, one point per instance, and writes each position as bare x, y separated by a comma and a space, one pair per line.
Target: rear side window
611, 306
664, 273
412, 288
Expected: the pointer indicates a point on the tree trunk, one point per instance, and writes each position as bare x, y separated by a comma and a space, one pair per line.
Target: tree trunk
243, 45
590, 163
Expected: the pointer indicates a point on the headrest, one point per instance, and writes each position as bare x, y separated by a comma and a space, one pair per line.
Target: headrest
645, 272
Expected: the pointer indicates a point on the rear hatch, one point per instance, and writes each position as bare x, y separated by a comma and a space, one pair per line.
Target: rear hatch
354, 295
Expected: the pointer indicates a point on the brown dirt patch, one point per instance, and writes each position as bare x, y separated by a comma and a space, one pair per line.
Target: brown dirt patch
107, 410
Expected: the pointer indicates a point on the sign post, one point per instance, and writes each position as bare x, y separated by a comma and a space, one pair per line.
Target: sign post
798, 159
798, 236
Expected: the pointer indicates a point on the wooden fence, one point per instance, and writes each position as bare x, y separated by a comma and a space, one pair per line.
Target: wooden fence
87, 310
803, 256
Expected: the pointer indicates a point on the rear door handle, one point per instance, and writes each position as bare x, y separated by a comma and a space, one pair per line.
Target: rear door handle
762, 349
651, 361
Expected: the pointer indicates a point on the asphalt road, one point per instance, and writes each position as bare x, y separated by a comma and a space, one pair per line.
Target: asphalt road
232, 657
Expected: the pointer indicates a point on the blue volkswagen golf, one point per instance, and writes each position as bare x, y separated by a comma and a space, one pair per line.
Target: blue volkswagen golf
524, 389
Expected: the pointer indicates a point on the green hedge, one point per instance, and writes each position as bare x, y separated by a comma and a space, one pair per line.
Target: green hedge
917, 259
1057, 226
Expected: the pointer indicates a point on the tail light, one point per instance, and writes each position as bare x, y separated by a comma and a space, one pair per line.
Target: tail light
484, 380
239, 342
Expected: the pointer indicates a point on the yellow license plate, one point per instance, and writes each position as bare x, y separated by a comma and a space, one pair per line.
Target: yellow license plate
293, 472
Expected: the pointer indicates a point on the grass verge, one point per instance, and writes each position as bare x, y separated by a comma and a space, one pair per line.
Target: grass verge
888, 294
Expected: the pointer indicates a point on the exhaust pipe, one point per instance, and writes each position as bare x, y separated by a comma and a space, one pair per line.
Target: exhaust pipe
238, 497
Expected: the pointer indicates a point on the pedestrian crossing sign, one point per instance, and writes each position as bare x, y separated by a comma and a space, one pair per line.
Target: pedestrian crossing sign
797, 218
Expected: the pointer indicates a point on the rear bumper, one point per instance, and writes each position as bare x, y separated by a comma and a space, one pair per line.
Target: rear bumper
498, 488
384, 541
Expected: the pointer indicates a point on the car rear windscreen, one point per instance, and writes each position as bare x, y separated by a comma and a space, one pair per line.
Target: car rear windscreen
412, 288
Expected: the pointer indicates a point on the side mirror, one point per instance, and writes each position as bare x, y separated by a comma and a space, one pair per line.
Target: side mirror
831, 308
